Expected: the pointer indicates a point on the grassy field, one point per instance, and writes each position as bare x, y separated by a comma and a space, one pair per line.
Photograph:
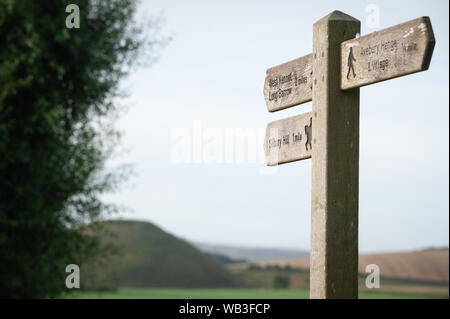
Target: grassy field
153, 293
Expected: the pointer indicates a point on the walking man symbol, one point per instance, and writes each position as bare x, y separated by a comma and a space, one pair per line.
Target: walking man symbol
350, 65
308, 132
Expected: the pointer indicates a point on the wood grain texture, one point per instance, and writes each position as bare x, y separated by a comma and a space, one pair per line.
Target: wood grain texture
288, 84
396, 51
288, 140
335, 165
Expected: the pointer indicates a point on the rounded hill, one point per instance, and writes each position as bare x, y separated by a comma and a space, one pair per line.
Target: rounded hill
150, 257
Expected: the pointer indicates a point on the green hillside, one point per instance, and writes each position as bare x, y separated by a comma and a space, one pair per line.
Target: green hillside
150, 257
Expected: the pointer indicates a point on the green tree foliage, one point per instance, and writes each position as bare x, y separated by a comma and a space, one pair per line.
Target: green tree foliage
58, 88
281, 282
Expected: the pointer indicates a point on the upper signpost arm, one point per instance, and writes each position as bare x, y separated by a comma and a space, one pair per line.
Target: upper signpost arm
288, 84
396, 51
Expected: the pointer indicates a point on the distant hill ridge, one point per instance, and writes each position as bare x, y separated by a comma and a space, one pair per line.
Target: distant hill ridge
428, 265
152, 257
252, 253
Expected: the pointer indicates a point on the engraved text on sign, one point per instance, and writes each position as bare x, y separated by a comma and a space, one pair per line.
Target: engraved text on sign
289, 139
400, 50
288, 84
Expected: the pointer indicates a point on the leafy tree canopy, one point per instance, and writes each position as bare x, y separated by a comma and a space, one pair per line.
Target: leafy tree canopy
58, 87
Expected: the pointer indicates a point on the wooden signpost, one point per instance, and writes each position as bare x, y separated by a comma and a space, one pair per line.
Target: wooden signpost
331, 76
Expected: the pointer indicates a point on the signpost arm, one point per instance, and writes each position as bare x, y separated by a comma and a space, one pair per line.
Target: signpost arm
335, 164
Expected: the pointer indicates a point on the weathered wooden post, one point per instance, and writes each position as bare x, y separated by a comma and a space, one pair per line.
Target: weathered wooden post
335, 163
331, 76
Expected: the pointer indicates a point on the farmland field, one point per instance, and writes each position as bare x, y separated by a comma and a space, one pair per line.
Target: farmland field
157, 293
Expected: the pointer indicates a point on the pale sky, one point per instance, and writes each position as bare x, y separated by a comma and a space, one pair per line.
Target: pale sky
211, 77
